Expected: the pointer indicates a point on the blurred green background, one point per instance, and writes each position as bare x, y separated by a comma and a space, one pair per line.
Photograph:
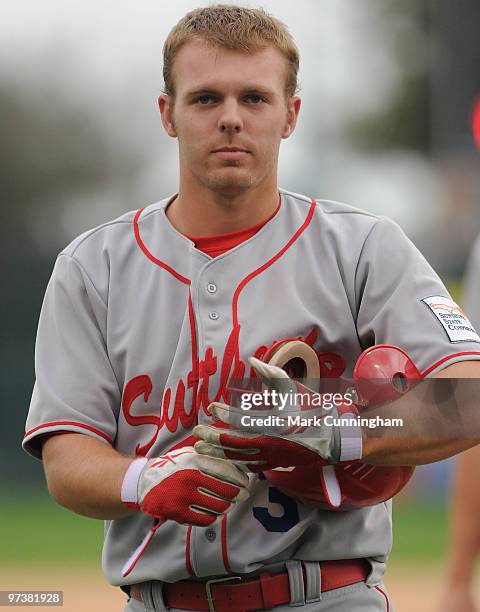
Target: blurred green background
53, 535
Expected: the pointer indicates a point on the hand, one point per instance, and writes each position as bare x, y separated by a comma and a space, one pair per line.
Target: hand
260, 447
457, 599
184, 487
260, 451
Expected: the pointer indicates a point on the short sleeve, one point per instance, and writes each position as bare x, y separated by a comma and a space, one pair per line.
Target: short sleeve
402, 301
75, 388
471, 286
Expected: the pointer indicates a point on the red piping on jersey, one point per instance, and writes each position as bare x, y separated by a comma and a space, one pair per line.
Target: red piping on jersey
152, 257
193, 338
271, 261
187, 552
226, 562
133, 560
74, 423
437, 363
385, 595
266, 265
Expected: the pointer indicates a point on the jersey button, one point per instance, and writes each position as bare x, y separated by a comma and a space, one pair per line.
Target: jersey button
210, 534
211, 287
214, 315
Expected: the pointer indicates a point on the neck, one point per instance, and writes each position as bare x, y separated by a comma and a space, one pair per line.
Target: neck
202, 212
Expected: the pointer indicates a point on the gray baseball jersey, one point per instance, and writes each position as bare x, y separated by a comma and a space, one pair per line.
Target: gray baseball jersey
471, 286
140, 331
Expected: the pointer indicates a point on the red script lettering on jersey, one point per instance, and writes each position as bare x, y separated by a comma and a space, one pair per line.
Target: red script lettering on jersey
332, 365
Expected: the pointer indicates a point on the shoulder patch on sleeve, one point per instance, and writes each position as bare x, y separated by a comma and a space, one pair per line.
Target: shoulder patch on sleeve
452, 318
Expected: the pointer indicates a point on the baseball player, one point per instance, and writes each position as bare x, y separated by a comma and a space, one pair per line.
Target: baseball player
148, 319
465, 523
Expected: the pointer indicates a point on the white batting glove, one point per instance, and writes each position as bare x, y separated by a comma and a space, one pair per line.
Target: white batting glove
260, 447
184, 486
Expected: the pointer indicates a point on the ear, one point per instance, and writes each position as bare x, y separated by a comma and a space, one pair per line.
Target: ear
165, 104
293, 110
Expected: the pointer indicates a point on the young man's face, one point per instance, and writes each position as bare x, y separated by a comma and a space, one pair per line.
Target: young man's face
229, 113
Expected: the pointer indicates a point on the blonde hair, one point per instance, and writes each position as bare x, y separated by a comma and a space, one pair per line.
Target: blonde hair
232, 27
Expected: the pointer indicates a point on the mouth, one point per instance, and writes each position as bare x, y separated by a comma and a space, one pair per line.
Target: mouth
230, 153
230, 149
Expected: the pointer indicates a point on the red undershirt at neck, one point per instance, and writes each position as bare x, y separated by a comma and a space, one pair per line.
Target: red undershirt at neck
213, 246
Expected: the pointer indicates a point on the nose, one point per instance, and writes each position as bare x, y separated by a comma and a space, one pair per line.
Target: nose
230, 119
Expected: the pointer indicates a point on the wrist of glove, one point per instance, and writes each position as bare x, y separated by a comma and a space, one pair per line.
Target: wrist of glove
184, 486
246, 441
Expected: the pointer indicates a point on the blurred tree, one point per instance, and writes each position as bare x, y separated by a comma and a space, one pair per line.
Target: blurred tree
405, 123
53, 150
455, 77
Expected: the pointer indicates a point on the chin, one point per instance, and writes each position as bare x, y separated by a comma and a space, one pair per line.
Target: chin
231, 182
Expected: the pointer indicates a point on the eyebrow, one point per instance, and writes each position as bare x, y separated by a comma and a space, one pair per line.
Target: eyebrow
257, 89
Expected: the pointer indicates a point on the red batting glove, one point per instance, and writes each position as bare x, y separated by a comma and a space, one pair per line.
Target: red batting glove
184, 486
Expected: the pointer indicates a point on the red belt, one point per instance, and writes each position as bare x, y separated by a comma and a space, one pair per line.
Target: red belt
262, 592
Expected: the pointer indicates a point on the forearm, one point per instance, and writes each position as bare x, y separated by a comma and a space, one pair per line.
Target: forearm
465, 521
390, 451
85, 475
438, 418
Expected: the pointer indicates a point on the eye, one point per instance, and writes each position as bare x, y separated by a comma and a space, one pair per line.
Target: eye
204, 100
254, 98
